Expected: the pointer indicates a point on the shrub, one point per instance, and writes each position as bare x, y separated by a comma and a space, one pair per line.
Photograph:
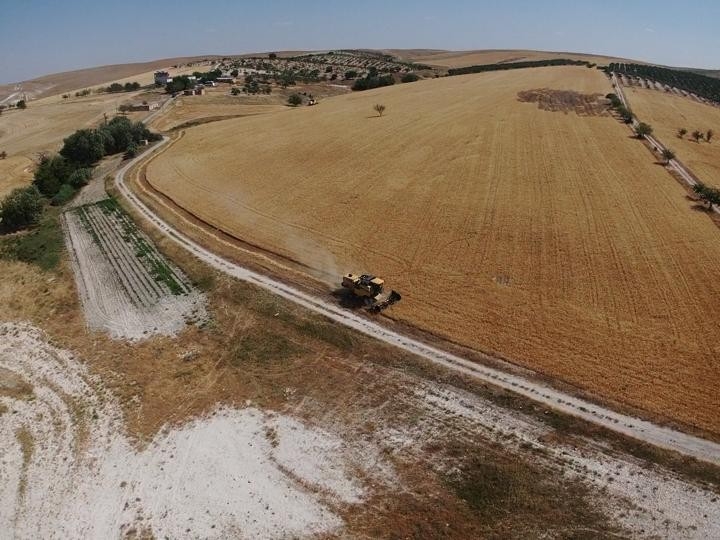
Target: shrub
409, 77
351, 74
379, 108
132, 150
643, 130
79, 178
21, 104
294, 100
3, 154
65, 193
20, 209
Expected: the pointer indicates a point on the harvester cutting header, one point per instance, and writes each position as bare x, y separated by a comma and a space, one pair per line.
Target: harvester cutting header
370, 289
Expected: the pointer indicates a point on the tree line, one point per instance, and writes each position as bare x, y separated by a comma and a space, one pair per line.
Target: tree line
373, 80
517, 65
700, 85
58, 177
117, 87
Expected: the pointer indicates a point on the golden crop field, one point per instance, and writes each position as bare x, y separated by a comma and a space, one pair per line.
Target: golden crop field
545, 237
456, 59
667, 113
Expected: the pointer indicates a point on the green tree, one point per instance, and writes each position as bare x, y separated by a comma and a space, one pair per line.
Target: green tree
52, 172
272, 56
132, 150
294, 100
681, 133
20, 209
642, 130
380, 109
3, 154
234, 73
21, 104
697, 135
84, 147
351, 74
708, 194
667, 155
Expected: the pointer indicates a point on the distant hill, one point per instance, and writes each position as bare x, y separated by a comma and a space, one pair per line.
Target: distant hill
58, 83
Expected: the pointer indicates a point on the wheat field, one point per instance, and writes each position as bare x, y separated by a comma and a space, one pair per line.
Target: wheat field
456, 59
667, 113
545, 237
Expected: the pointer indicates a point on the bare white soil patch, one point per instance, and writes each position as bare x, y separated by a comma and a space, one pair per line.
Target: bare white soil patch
120, 290
68, 471
653, 503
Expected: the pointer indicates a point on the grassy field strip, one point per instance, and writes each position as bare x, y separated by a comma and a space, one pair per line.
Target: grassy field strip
126, 286
642, 430
138, 282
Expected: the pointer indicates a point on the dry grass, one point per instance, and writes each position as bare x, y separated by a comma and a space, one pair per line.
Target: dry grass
667, 113
44, 124
517, 231
349, 384
15, 171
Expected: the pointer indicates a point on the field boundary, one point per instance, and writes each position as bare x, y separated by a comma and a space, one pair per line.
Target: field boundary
633, 427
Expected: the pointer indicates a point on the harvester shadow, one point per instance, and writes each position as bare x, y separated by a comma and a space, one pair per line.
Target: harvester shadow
348, 300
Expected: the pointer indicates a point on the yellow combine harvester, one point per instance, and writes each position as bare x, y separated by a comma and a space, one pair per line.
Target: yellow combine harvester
370, 289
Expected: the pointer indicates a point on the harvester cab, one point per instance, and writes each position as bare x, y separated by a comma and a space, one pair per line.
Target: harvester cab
370, 288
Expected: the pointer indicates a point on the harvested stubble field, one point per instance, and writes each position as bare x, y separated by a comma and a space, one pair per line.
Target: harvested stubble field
667, 113
214, 105
15, 171
456, 59
550, 239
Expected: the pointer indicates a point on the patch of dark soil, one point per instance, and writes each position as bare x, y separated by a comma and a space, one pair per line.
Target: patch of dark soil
566, 101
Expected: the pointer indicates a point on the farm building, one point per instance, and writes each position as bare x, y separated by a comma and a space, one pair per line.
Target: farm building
144, 106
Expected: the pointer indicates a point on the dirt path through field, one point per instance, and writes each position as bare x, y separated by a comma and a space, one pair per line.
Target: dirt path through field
634, 427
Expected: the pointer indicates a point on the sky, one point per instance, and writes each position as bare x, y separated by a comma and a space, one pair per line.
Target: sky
50, 36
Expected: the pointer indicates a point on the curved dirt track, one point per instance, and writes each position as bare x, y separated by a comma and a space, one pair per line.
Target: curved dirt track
636, 428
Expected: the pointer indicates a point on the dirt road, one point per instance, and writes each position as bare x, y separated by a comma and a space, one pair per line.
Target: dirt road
634, 427
674, 164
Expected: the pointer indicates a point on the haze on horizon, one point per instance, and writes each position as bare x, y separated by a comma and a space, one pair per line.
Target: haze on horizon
40, 37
